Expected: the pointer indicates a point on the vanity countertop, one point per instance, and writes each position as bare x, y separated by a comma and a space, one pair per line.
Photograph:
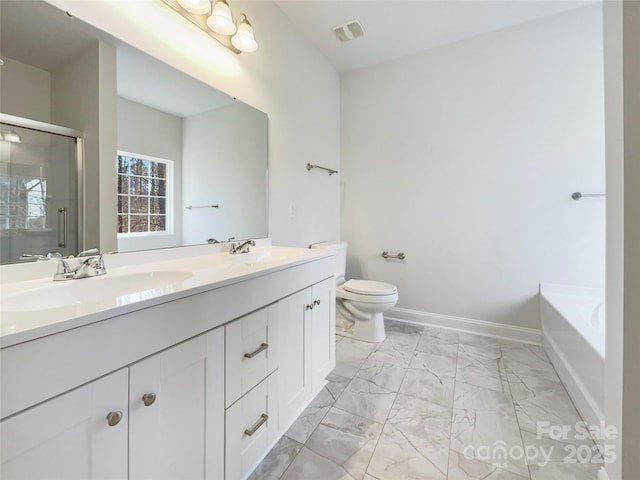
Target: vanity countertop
35, 308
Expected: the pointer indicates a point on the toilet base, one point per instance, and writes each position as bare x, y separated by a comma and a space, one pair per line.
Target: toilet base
370, 330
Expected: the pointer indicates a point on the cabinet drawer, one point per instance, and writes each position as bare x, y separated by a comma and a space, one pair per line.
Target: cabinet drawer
251, 428
251, 353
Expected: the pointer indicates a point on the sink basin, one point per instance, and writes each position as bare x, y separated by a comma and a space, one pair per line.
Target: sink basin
271, 255
120, 289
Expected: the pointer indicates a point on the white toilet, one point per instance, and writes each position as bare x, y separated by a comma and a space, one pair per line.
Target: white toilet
359, 303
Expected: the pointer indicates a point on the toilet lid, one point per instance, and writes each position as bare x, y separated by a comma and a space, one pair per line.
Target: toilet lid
369, 287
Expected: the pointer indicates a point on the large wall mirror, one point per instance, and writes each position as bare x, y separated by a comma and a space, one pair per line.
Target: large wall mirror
190, 162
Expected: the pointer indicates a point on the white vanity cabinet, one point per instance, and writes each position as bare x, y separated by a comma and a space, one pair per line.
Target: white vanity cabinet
307, 327
295, 359
323, 332
154, 419
79, 435
176, 411
196, 386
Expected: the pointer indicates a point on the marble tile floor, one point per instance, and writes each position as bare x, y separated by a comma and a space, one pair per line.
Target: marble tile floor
434, 404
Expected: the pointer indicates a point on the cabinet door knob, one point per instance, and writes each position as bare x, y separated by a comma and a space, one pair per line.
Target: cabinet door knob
113, 418
263, 346
148, 399
250, 431
310, 306
316, 302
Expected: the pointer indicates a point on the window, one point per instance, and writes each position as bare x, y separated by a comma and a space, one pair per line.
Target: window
144, 187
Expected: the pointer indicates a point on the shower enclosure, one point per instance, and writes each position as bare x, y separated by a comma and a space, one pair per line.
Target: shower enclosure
40, 166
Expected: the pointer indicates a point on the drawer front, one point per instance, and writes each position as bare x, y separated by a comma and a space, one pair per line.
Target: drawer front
251, 428
250, 353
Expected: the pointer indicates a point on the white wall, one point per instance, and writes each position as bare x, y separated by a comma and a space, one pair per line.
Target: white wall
631, 379
147, 131
614, 134
464, 158
622, 77
25, 91
286, 78
83, 97
225, 164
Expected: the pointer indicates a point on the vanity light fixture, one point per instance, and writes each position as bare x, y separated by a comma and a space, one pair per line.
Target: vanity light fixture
215, 18
197, 7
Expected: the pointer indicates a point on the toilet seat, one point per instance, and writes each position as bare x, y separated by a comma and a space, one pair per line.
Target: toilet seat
344, 292
369, 287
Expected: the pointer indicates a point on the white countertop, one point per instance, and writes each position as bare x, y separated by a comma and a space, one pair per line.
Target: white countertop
33, 308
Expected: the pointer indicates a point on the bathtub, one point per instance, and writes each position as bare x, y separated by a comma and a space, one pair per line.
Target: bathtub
573, 335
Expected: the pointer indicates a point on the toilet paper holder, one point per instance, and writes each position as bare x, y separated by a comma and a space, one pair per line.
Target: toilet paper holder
400, 255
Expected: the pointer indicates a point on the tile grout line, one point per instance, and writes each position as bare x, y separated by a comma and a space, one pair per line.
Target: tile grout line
366, 470
455, 382
513, 405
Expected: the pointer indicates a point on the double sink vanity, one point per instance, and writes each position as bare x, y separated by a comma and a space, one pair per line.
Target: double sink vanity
184, 363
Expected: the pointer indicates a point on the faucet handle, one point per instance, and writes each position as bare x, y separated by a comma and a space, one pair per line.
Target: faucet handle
90, 252
48, 256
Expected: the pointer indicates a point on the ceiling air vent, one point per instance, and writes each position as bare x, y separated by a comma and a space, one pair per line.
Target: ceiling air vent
348, 31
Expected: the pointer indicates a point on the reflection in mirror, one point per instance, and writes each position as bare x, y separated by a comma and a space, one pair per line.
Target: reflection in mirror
38, 194
212, 148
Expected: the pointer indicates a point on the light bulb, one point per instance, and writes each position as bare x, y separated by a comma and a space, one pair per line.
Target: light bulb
197, 7
244, 40
221, 20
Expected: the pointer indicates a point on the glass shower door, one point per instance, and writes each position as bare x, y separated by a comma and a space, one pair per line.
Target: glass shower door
38, 193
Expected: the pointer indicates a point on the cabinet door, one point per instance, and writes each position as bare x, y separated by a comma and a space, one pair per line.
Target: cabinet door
168, 409
295, 355
323, 332
69, 436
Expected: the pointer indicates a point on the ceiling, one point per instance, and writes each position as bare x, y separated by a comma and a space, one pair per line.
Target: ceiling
397, 28
34, 32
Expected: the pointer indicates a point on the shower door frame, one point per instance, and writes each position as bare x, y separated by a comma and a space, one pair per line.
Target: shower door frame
65, 132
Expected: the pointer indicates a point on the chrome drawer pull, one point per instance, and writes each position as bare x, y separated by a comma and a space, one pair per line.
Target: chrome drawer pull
263, 418
263, 346
148, 399
316, 302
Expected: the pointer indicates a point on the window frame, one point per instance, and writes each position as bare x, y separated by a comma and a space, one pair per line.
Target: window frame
169, 187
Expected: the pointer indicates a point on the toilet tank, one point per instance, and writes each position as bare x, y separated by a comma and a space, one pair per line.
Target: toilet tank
339, 249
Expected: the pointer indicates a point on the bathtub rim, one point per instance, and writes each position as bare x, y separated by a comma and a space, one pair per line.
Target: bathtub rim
549, 290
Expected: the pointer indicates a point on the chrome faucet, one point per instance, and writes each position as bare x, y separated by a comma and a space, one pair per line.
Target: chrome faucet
241, 247
213, 240
88, 263
48, 256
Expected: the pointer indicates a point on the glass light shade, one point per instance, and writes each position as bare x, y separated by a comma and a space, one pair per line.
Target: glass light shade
197, 7
221, 20
244, 40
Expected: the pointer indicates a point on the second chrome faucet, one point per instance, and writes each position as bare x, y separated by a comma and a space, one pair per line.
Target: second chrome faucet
241, 247
88, 263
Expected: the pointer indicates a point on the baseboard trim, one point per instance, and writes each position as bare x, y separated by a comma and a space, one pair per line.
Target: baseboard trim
469, 325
